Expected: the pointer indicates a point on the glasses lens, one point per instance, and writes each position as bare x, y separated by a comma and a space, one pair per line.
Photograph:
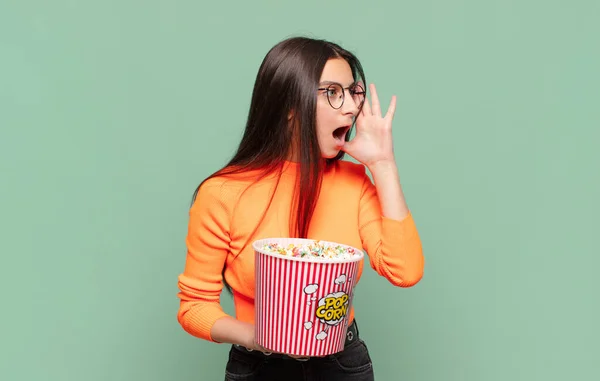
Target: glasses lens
335, 95
358, 94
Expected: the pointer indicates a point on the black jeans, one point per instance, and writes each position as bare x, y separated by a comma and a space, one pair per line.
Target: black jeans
352, 364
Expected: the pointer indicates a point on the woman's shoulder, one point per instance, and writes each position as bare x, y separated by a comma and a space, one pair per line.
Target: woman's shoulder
228, 187
221, 187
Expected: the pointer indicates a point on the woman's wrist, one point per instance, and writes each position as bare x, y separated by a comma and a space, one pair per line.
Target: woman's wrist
389, 190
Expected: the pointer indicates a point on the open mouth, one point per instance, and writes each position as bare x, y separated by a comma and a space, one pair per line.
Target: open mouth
340, 133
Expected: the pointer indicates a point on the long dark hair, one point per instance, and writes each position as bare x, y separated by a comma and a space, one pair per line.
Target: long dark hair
283, 105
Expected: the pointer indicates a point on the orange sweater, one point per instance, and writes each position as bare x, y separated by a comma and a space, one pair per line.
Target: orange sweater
222, 218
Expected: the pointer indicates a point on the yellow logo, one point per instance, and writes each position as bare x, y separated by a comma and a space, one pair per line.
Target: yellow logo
333, 308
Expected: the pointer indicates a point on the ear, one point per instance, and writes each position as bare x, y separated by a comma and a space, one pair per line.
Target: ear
290, 115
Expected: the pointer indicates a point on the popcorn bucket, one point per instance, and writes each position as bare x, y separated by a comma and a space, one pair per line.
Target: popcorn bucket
302, 302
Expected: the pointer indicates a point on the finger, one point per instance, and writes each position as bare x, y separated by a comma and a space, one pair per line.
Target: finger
262, 349
298, 357
359, 119
392, 109
375, 106
366, 109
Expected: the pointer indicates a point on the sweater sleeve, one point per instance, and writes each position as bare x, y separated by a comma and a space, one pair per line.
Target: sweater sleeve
394, 247
207, 242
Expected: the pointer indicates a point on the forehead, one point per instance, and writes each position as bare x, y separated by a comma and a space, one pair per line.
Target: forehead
337, 70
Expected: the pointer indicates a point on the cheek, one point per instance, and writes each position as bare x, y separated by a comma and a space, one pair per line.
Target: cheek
325, 119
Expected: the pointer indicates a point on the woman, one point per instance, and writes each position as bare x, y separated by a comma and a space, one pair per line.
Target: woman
288, 178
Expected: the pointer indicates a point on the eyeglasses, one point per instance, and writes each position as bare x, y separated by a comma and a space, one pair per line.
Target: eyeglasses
336, 94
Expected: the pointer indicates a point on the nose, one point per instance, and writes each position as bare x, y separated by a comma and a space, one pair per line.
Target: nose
349, 106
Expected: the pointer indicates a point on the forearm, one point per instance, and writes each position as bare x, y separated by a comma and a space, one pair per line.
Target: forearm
397, 253
233, 331
389, 191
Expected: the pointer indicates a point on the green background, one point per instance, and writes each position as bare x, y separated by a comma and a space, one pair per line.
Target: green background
111, 112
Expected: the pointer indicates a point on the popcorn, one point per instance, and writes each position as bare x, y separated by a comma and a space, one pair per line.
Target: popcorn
312, 250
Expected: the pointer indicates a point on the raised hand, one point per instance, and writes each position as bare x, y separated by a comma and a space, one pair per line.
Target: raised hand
373, 142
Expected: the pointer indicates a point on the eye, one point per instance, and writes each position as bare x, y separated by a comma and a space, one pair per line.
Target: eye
357, 90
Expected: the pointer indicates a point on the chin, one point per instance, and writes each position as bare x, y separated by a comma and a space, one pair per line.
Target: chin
330, 154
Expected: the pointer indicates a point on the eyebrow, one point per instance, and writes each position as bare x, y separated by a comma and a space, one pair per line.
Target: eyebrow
324, 83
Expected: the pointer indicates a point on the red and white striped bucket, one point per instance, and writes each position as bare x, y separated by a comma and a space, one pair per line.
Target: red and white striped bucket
302, 305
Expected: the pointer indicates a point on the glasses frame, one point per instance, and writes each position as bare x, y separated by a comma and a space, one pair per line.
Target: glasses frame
349, 88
